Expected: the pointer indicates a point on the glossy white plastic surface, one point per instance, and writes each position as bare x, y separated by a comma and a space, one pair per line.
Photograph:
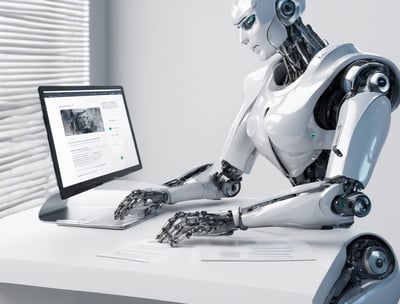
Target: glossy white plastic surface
363, 125
266, 34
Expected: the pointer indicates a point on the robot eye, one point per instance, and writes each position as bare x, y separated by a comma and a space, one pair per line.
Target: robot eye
248, 23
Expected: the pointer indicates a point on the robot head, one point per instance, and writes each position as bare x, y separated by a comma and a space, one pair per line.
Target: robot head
262, 23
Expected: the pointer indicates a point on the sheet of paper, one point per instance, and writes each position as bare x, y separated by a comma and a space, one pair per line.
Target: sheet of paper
261, 251
144, 251
208, 249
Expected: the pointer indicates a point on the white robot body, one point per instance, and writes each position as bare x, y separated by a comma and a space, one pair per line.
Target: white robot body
320, 114
309, 210
279, 122
362, 129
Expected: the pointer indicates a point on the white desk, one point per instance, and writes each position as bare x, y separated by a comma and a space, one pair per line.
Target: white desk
63, 260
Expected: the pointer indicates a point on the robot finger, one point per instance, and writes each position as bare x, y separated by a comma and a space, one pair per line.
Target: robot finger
125, 205
181, 233
151, 209
121, 211
135, 201
175, 240
163, 235
192, 225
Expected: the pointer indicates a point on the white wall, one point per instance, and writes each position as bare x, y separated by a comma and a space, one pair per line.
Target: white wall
182, 67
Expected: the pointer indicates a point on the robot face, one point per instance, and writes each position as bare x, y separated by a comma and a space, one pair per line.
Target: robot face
259, 27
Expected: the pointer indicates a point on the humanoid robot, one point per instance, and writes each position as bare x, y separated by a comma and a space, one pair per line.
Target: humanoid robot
320, 114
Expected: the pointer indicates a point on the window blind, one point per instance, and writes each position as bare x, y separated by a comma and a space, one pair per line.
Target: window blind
42, 42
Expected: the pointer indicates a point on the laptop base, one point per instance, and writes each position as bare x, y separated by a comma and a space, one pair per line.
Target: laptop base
57, 210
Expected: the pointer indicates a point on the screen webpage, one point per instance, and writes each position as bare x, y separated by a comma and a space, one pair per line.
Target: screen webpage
91, 133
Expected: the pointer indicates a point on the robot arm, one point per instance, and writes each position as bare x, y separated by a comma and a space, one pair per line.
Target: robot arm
199, 183
362, 126
363, 123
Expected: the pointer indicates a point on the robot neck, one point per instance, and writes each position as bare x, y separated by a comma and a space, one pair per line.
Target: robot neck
299, 48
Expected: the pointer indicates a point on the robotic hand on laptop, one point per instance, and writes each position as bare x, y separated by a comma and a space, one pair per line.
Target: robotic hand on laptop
321, 115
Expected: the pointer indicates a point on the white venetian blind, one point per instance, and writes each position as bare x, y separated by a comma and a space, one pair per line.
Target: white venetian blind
42, 42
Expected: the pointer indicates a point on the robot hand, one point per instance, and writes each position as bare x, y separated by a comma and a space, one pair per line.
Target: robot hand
143, 201
184, 225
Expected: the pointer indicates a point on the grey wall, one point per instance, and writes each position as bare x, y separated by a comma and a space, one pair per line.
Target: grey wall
182, 67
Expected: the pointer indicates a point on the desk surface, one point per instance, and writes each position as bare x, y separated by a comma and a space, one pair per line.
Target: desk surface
42, 254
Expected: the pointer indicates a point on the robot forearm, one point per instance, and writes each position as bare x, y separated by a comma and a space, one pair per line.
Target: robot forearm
310, 210
324, 204
201, 183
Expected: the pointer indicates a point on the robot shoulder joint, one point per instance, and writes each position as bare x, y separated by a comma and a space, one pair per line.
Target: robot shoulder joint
372, 76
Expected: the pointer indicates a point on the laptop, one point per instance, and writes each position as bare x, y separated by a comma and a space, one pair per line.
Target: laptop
92, 142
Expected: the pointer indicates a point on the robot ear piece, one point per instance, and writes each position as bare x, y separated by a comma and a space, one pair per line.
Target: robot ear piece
288, 11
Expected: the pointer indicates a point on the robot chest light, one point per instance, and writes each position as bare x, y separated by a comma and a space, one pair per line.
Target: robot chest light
286, 119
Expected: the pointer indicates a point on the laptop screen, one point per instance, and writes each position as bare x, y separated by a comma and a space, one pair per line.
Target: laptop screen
90, 135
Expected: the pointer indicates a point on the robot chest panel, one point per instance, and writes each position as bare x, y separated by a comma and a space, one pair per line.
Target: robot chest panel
282, 123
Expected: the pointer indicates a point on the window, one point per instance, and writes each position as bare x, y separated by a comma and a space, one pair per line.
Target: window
42, 42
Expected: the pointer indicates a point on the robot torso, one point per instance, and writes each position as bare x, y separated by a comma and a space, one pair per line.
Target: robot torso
288, 124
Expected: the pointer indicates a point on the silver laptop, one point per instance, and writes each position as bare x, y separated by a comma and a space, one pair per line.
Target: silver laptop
92, 142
